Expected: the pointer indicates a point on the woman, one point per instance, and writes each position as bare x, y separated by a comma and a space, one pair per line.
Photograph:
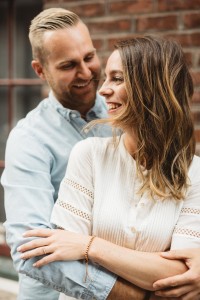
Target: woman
138, 193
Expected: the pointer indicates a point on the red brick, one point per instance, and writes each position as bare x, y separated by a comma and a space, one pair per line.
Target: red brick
188, 58
4, 250
86, 10
98, 44
197, 135
196, 78
196, 97
186, 39
112, 41
109, 26
173, 5
196, 117
191, 20
156, 23
130, 7
104, 59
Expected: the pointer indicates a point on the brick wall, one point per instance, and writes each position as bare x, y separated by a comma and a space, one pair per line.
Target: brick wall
110, 20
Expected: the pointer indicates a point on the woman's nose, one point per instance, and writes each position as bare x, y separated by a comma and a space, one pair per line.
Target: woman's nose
105, 90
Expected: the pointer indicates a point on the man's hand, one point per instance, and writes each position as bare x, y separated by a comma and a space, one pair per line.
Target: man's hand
186, 285
126, 291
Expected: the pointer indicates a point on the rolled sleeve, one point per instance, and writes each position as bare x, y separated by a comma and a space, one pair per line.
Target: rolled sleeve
29, 200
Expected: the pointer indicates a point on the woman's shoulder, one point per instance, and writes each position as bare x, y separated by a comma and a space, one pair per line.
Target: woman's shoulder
93, 143
194, 171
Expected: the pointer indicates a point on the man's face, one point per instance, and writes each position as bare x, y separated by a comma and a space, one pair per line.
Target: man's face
72, 68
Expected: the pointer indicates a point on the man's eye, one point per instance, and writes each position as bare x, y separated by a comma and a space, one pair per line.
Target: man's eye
68, 66
89, 58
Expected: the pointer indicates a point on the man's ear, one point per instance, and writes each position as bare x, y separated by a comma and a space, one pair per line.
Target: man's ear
38, 68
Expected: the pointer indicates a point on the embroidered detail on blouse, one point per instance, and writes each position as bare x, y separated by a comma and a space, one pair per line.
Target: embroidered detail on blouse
188, 210
74, 210
79, 187
186, 231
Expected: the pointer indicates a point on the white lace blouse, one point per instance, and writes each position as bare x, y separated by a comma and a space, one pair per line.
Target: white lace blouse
98, 196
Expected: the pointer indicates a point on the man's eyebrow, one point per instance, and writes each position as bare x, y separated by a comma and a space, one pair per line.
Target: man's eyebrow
92, 51
73, 60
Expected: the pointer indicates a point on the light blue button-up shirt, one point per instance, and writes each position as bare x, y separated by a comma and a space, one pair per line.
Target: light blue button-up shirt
37, 153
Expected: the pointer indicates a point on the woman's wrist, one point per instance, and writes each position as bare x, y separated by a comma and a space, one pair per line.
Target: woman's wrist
86, 257
94, 250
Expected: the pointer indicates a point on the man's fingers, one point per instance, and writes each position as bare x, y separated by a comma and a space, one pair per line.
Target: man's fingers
193, 295
177, 280
176, 254
174, 292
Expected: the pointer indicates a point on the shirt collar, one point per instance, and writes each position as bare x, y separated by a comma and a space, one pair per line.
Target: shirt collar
97, 111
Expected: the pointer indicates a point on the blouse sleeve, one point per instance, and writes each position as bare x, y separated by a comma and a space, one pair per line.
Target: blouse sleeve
73, 208
187, 230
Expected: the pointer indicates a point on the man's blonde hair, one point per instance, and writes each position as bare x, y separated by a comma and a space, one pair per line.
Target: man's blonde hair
49, 19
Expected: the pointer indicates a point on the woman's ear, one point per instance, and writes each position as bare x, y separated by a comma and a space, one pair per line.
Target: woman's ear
38, 68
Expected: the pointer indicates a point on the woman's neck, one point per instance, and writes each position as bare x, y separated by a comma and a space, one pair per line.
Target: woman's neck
130, 143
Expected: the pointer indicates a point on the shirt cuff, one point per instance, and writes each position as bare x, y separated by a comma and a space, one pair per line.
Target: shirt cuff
68, 278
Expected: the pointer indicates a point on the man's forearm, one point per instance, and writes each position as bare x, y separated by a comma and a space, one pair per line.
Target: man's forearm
68, 277
126, 291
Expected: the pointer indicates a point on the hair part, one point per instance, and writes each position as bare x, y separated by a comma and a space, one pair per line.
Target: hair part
47, 20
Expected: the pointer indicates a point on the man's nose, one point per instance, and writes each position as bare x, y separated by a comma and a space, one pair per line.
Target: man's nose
84, 71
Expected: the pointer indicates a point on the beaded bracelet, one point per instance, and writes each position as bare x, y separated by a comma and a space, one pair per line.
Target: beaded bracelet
87, 258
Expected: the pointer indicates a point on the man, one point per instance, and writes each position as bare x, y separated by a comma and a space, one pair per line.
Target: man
188, 283
38, 149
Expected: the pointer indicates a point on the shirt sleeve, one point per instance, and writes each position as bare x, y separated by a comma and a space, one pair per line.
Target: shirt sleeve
29, 200
73, 209
187, 230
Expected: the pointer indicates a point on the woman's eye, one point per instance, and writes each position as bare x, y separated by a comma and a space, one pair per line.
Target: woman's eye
118, 79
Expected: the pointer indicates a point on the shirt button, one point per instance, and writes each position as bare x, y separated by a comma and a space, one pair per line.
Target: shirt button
74, 115
142, 204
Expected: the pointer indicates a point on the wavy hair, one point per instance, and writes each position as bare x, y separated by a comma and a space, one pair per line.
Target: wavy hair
159, 88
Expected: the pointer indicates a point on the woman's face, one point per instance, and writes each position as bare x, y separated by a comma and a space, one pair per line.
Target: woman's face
113, 88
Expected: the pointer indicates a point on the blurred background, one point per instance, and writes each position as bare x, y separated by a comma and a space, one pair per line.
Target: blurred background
108, 21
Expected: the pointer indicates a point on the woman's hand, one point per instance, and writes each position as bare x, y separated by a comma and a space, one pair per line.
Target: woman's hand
55, 244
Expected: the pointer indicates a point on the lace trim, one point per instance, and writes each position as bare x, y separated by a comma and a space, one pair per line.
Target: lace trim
186, 231
79, 187
188, 210
74, 210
